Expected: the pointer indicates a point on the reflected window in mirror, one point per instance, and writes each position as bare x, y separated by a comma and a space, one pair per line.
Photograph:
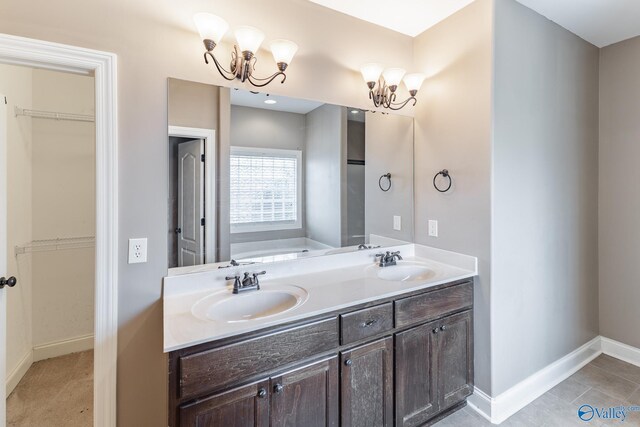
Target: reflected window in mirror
265, 188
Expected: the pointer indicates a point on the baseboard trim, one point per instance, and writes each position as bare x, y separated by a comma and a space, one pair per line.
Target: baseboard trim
621, 351
18, 372
498, 409
60, 348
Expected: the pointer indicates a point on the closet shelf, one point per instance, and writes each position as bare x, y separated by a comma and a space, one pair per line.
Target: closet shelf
59, 244
53, 115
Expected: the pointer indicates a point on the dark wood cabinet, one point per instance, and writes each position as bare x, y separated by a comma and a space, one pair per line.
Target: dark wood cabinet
406, 360
434, 368
367, 385
416, 398
454, 355
306, 396
246, 406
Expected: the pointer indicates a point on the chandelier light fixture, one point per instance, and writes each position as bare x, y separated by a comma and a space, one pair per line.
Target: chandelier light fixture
383, 84
243, 58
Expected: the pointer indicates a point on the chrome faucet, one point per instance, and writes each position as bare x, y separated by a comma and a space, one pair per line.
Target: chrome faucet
247, 283
362, 246
388, 259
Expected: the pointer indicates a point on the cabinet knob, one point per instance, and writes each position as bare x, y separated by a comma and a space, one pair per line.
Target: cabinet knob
348, 362
262, 393
278, 388
443, 327
369, 323
435, 330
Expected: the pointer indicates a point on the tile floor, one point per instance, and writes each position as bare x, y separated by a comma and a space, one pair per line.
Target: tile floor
55, 392
605, 382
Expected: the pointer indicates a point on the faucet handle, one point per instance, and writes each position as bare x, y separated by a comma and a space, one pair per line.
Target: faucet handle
260, 273
236, 277
236, 282
396, 254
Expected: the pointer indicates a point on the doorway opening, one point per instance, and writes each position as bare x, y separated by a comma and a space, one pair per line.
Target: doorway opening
51, 222
102, 66
192, 219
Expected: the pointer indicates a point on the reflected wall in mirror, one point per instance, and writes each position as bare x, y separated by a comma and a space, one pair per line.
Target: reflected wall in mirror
255, 177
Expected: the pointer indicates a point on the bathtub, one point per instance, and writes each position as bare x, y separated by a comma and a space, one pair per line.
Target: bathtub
277, 250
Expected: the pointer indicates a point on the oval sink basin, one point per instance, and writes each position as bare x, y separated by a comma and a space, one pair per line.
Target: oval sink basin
405, 272
252, 305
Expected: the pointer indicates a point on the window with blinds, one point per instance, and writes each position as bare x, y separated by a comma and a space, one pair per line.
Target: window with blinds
265, 189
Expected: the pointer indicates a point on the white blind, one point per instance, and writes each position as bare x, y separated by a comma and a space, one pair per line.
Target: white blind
264, 187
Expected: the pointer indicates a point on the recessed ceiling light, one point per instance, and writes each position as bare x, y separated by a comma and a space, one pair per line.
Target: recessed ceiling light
270, 101
354, 111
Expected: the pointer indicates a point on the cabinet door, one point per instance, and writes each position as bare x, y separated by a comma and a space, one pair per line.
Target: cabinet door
246, 406
306, 396
367, 385
416, 386
454, 359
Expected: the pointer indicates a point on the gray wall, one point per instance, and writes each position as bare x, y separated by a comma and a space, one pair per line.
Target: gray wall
256, 127
326, 134
619, 198
453, 131
389, 149
545, 202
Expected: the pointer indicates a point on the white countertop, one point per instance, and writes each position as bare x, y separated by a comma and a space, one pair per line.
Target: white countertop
332, 282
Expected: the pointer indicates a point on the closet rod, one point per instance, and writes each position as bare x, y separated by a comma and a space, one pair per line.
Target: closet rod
53, 115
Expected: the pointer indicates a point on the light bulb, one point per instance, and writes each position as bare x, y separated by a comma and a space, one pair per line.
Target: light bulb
283, 51
393, 76
371, 72
210, 27
414, 81
249, 39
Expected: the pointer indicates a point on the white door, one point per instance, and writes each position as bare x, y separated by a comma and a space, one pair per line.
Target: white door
190, 203
3, 260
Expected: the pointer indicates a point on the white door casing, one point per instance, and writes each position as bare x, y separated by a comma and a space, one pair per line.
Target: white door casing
3, 259
190, 203
103, 65
209, 138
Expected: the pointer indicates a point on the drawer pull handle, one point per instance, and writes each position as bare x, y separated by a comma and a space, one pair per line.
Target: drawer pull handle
369, 323
442, 328
348, 362
278, 388
262, 393
435, 331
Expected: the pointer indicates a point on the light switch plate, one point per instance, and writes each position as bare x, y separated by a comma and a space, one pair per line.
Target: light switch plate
397, 222
433, 228
137, 251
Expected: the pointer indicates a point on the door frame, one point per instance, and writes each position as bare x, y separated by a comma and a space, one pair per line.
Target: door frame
209, 137
103, 65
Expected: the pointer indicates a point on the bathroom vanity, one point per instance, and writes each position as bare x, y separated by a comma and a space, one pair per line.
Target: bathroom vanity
367, 346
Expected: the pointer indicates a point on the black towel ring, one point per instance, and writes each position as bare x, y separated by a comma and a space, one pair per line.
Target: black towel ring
388, 176
445, 174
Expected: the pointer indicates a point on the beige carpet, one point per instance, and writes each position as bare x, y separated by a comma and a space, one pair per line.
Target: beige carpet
54, 392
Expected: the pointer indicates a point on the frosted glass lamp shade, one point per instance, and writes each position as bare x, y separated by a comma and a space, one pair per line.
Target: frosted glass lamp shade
393, 76
283, 51
371, 72
413, 81
210, 27
249, 39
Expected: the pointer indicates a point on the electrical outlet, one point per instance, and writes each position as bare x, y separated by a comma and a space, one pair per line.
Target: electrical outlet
397, 222
433, 228
137, 250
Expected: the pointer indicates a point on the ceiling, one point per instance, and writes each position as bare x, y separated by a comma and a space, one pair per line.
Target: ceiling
600, 22
283, 103
410, 17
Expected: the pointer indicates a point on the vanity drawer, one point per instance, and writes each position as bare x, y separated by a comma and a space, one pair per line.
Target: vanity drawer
366, 323
434, 304
213, 369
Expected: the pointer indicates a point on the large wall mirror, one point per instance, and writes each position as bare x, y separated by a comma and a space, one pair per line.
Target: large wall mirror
258, 178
